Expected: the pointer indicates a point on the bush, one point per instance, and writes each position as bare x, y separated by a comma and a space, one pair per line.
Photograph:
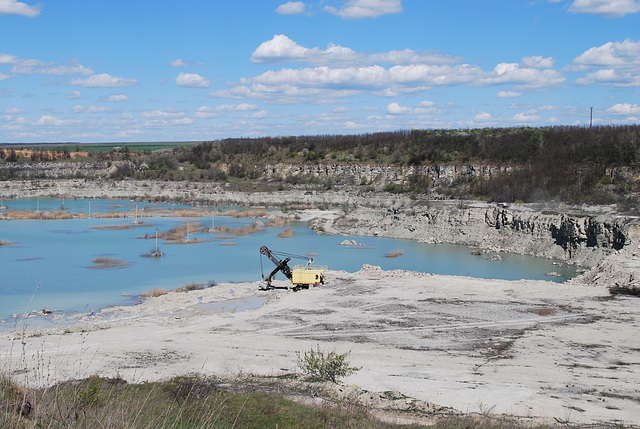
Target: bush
325, 367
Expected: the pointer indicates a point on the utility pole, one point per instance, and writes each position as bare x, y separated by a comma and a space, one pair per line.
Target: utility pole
591, 118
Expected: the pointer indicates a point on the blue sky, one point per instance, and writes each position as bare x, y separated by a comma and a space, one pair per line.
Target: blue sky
185, 70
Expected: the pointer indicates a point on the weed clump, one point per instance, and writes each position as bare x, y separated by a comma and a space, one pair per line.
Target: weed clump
321, 366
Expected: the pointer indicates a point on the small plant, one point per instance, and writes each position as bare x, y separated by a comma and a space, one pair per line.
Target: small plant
325, 367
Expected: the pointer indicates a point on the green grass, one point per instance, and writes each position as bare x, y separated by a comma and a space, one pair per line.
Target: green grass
183, 402
100, 147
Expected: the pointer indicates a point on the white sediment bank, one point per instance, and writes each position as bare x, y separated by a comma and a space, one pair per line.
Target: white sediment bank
533, 349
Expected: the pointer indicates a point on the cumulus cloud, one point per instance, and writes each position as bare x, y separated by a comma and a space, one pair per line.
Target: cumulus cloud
91, 109
33, 66
537, 62
625, 54
104, 80
14, 7
617, 64
237, 107
508, 94
281, 49
358, 9
483, 117
521, 118
4, 76
162, 114
612, 77
206, 112
116, 98
47, 120
74, 95
624, 109
262, 114
192, 80
183, 121
423, 108
606, 8
291, 8
184, 63
377, 77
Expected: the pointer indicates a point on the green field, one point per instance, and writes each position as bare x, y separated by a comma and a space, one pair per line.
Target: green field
99, 147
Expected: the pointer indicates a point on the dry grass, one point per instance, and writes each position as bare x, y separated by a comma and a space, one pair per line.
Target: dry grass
108, 263
249, 213
189, 287
394, 254
546, 311
181, 231
227, 243
155, 293
42, 215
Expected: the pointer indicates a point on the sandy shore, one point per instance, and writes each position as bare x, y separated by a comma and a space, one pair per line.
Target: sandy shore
532, 349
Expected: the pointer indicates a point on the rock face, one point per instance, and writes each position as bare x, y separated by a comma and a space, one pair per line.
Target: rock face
61, 170
579, 239
378, 175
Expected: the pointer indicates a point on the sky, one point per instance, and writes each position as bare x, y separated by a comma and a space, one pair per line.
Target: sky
94, 71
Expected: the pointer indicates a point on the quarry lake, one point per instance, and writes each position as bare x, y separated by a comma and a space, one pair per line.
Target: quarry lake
55, 264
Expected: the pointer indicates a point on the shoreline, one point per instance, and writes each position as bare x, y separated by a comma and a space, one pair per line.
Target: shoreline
533, 349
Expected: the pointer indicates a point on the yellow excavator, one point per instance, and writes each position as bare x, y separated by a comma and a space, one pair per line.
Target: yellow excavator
301, 276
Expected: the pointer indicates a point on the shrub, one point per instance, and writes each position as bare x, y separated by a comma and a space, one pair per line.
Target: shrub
325, 367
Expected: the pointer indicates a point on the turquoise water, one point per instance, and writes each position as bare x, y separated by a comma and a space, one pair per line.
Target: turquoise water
49, 263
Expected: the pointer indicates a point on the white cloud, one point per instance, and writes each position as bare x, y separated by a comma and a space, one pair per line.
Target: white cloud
342, 109
508, 94
618, 64
184, 63
116, 98
74, 95
236, 107
397, 79
4, 76
483, 117
48, 120
538, 62
14, 7
282, 49
262, 114
206, 112
358, 9
624, 109
612, 77
606, 8
33, 66
104, 80
625, 54
13, 111
192, 80
53, 69
291, 8
162, 114
91, 109
526, 118
183, 121
396, 109
422, 109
